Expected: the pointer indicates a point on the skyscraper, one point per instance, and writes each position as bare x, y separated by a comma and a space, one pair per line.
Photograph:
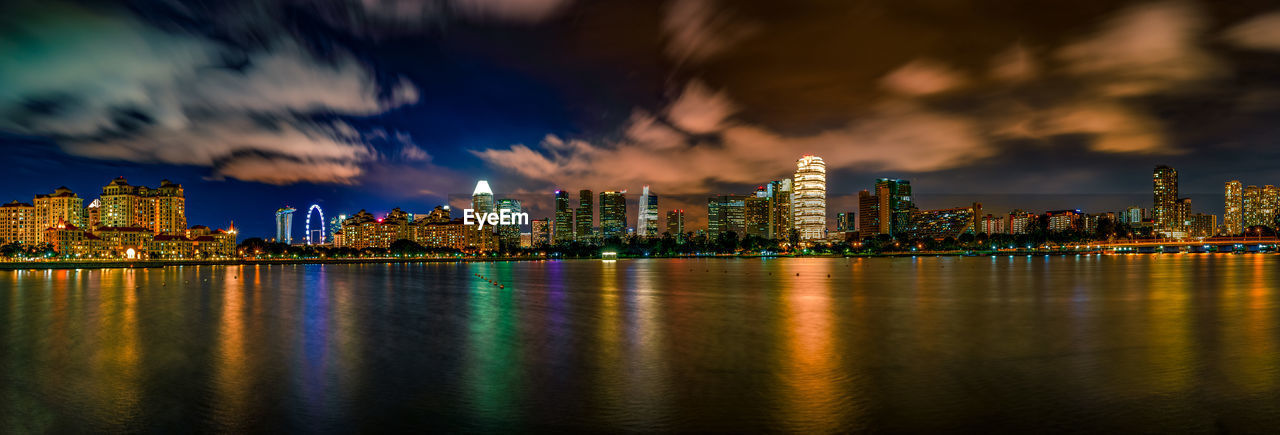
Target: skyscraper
868, 214
844, 222
509, 234
284, 225
1165, 197
726, 213
780, 218
647, 222
893, 205
613, 214
584, 217
675, 223
810, 199
756, 214
540, 232
482, 198
563, 228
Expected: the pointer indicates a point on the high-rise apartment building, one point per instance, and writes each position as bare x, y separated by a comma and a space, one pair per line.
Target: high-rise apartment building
161, 210
810, 198
1203, 225
17, 224
584, 217
613, 214
284, 225
647, 222
675, 223
562, 231
726, 213
1165, 198
1233, 218
60, 207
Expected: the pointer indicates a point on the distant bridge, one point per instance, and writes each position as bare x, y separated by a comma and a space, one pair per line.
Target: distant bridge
1212, 244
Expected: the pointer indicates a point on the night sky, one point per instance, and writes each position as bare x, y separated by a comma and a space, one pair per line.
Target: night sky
255, 104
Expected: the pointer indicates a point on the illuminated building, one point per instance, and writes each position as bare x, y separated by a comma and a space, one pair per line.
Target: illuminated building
62, 207
810, 198
1165, 195
613, 214
1133, 215
1203, 225
1092, 220
540, 232
944, 223
17, 224
868, 214
509, 235
454, 234
1233, 219
1022, 222
675, 223
93, 214
161, 210
894, 205
1064, 220
284, 225
119, 241
845, 222
482, 198
726, 213
992, 225
563, 228
647, 221
72, 241
362, 230
755, 215
780, 217
584, 217
441, 213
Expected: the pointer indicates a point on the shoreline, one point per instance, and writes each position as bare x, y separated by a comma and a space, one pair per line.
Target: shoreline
148, 264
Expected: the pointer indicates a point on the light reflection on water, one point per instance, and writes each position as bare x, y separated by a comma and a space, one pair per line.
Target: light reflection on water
1133, 343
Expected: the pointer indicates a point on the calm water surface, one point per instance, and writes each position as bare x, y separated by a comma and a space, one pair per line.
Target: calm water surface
1074, 344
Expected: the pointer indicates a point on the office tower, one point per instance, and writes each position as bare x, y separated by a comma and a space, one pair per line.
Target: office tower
1233, 219
647, 222
844, 222
284, 225
1133, 215
584, 217
161, 210
893, 204
60, 207
675, 223
509, 234
726, 213
563, 228
17, 224
868, 214
540, 232
780, 216
482, 198
613, 214
810, 198
755, 214
1165, 198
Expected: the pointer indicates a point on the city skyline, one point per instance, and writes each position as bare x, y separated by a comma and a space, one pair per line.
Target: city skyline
375, 110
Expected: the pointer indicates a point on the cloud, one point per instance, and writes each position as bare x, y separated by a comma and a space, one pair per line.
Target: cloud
1113, 127
699, 109
696, 30
898, 137
410, 150
109, 87
1259, 33
1144, 49
922, 77
1015, 64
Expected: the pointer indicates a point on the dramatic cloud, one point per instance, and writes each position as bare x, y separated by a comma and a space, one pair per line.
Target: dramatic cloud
1014, 64
1110, 126
697, 30
1260, 33
700, 110
922, 77
743, 154
1147, 48
119, 89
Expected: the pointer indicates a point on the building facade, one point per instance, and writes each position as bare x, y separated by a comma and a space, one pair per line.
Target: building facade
647, 221
562, 231
809, 205
675, 223
726, 213
613, 214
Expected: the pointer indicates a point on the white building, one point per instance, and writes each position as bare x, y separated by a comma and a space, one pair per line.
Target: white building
647, 222
809, 203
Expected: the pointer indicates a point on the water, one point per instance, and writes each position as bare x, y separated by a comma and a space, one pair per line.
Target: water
1071, 344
